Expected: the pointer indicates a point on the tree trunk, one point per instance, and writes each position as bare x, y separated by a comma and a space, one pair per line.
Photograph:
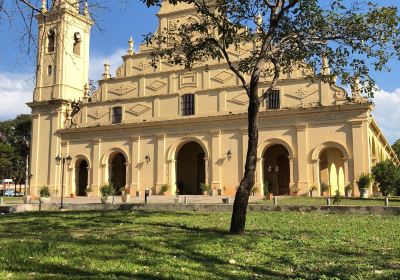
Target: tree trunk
238, 220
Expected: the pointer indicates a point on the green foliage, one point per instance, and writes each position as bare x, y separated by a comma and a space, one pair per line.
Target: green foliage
387, 174
396, 148
191, 245
324, 187
107, 190
164, 188
89, 189
205, 187
348, 187
267, 188
44, 191
15, 138
364, 181
313, 188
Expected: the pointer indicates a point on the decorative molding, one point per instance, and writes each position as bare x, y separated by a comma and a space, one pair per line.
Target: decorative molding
223, 76
122, 90
98, 115
142, 65
138, 109
188, 80
240, 99
156, 85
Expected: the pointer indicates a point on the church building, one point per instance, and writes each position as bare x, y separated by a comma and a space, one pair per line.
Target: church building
144, 126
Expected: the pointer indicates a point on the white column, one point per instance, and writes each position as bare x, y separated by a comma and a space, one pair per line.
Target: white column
244, 147
291, 170
172, 175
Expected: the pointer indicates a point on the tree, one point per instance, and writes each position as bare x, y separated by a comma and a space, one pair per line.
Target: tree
387, 174
277, 37
15, 137
396, 148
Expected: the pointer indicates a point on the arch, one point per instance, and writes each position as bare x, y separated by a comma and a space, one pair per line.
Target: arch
106, 157
190, 168
329, 144
331, 165
117, 170
276, 169
81, 176
174, 149
273, 141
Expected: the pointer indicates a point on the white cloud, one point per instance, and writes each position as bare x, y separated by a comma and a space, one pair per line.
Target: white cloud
387, 113
15, 91
97, 60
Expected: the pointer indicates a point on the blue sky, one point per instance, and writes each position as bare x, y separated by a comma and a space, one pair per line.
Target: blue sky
125, 18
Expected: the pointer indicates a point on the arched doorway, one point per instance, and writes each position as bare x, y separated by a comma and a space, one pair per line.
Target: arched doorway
277, 169
190, 170
118, 172
331, 170
81, 177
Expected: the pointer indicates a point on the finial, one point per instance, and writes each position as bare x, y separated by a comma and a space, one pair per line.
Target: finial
86, 9
106, 74
130, 44
325, 66
77, 5
259, 22
44, 6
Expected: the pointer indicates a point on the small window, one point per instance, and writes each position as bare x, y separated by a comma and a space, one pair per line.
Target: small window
77, 43
51, 38
49, 70
273, 100
187, 104
116, 115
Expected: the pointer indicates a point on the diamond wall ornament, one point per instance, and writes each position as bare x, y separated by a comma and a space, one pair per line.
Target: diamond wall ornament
223, 76
300, 94
156, 85
98, 115
138, 109
122, 90
240, 99
142, 65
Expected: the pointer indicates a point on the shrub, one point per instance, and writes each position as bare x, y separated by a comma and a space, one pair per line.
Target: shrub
89, 189
387, 174
44, 192
324, 187
364, 181
107, 190
294, 188
164, 188
349, 187
205, 187
313, 188
266, 188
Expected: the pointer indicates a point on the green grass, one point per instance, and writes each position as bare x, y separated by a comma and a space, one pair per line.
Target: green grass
191, 245
315, 201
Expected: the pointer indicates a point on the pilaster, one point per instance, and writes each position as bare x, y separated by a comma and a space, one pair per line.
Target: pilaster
135, 164
215, 156
161, 138
302, 160
96, 166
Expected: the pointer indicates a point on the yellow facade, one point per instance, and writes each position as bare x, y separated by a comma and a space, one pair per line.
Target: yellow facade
312, 133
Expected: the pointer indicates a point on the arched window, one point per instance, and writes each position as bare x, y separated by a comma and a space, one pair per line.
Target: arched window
187, 104
77, 43
116, 115
51, 38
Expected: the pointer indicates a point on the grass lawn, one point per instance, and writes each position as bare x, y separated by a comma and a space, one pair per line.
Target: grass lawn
314, 201
191, 245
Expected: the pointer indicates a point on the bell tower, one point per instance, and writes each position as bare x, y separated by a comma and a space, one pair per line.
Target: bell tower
63, 51
61, 76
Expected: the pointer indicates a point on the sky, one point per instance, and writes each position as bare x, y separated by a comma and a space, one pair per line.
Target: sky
109, 37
